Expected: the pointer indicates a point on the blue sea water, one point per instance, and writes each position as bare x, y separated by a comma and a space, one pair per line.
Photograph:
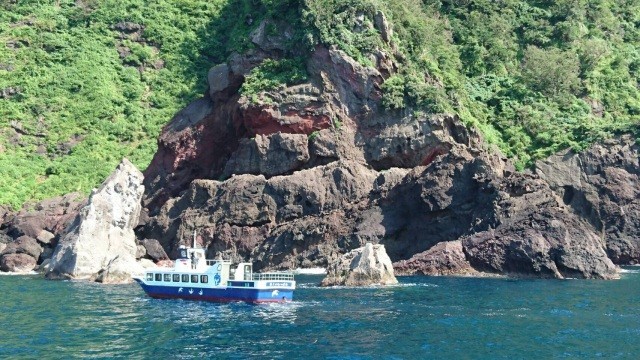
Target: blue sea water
421, 318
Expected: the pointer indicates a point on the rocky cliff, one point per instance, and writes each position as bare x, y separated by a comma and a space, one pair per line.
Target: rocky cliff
300, 175
601, 185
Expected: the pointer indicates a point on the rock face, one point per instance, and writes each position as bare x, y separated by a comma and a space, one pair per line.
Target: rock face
601, 184
101, 238
301, 175
51, 215
34, 231
364, 266
508, 223
536, 235
445, 258
154, 250
269, 155
307, 210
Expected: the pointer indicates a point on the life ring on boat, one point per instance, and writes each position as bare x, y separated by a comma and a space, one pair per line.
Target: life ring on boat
219, 267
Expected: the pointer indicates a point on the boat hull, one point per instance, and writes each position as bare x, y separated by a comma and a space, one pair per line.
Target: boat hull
217, 294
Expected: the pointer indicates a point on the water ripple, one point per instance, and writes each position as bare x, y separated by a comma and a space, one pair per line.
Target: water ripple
422, 317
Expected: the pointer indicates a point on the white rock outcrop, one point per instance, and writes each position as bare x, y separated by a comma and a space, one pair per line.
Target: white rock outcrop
363, 266
100, 243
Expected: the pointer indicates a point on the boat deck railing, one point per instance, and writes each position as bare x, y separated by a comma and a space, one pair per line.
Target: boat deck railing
211, 262
272, 276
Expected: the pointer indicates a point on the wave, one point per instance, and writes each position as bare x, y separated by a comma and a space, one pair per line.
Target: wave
629, 271
2, 273
417, 285
374, 286
310, 271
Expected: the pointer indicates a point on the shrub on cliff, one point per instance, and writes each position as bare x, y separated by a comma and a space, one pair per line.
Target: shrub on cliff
273, 73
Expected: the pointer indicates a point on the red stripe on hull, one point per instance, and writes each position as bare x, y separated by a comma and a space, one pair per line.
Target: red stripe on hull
216, 299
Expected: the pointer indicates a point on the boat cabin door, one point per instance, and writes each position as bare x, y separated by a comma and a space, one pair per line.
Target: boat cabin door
243, 271
247, 271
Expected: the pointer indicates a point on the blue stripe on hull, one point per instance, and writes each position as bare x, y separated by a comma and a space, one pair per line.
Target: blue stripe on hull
227, 294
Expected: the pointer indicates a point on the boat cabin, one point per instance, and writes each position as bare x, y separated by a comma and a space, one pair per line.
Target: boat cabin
191, 266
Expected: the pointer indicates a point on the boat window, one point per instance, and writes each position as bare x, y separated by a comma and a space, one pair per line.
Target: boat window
194, 278
176, 277
167, 277
204, 279
149, 276
185, 278
158, 277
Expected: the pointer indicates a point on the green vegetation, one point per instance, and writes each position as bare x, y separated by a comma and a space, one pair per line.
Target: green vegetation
549, 74
85, 82
271, 74
533, 76
313, 135
92, 81
337, 124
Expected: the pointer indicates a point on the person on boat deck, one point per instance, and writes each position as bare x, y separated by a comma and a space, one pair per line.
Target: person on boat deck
193, 261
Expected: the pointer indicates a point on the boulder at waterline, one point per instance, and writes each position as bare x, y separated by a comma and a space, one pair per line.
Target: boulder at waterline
147, 263
17, 263
20, 255
363, 266
24, 245
119, 270
101, 238
445, 258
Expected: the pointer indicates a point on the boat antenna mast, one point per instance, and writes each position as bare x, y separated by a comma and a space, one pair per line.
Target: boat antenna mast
194, 239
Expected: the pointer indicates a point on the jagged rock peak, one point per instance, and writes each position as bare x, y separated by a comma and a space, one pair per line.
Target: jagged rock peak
101, 240
364, 266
